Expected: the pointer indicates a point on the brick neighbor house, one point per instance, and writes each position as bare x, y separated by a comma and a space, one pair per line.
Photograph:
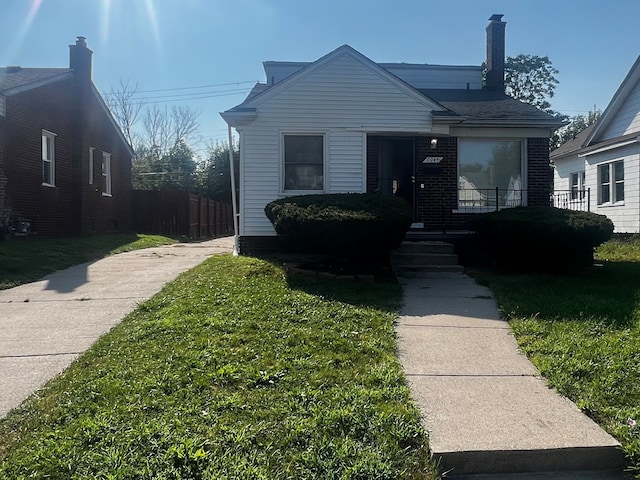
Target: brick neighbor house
432, 134
65, 166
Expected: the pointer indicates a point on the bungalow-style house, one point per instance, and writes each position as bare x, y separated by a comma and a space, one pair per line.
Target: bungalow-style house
65, 166
432, 134
600, 169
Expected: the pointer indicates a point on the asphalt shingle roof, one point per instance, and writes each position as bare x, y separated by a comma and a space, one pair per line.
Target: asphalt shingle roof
487, 105
12, 77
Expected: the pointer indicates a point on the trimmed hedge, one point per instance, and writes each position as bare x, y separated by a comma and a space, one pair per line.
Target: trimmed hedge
353, 224
541, 238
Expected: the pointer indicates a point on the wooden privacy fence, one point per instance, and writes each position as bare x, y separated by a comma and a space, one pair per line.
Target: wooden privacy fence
180, 213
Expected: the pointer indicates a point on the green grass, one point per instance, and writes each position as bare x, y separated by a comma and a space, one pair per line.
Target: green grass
27, 260
233, 371
583, 333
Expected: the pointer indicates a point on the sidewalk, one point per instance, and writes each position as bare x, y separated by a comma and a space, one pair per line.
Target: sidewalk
45, 325
486, 409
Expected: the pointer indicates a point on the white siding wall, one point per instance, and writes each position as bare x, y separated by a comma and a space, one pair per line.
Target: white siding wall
563, 170
342, 100
627, 119
626, 218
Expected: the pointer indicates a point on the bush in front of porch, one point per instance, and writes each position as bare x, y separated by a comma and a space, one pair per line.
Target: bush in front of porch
540, 238
361, 225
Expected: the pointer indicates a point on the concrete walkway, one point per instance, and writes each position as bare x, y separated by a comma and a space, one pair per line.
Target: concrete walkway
45, 325
486, 409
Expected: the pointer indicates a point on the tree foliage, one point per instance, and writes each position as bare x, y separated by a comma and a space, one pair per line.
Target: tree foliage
577, 124
214, 174
531, 79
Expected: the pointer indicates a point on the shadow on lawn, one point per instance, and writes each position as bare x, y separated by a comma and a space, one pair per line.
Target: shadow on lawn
608, 291
358, 285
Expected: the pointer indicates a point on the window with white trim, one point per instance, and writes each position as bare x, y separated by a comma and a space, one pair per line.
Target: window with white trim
611, 183
577, 180
303, 162
106, 174
48, 158
487, 165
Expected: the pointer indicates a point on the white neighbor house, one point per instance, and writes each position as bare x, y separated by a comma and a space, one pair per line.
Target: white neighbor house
604, 160
431, 134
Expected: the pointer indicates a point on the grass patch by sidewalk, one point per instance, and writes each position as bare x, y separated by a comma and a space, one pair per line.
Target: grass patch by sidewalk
232, 371
583, 333
27, 260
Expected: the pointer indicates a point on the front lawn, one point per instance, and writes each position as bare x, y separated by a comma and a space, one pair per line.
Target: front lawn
233, 371
583, 333
25, 260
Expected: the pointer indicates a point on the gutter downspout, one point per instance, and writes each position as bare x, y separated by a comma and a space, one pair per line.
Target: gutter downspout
233, 195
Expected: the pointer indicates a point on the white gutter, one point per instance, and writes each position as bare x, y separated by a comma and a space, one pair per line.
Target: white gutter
233, 195
609, 147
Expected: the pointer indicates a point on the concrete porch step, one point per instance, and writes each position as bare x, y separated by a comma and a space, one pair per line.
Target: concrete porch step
425, 256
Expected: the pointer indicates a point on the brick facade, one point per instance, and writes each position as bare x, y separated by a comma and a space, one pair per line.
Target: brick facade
69, 108
437, 183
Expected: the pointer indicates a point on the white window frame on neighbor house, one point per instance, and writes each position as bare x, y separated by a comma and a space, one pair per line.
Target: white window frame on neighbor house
106, 174
577, 185
483, 201
611, 183
48, 158
288, 163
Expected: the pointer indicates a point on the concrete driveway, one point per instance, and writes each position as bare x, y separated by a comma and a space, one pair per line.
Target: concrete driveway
45, 325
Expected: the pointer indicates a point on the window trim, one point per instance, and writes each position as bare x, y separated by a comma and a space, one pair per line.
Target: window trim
578, 193
46, 134
283, 169
106, 174
523, 173
612, 183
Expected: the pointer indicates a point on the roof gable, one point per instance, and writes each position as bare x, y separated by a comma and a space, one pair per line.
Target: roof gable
622, 115
323, 62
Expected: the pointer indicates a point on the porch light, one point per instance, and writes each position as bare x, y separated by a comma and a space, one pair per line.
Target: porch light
434, 143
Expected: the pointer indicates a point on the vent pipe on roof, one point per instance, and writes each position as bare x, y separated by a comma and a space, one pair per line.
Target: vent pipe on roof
495, 53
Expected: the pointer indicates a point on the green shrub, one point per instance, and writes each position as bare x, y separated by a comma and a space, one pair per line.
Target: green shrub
541, 238
360, 224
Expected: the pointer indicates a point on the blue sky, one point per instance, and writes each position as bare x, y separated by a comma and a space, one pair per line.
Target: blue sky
175, 44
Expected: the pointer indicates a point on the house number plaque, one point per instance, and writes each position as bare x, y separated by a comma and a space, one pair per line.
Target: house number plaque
432, 160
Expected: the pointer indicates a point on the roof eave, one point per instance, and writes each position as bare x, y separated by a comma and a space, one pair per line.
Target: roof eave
239, 116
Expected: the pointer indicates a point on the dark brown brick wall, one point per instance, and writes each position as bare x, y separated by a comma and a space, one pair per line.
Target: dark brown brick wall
436, 184
372, 163
539, 172
51, 107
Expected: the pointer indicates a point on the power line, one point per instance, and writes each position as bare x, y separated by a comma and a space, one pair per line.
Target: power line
115, 93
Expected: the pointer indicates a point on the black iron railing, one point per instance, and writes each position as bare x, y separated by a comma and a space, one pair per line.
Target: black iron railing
572, 199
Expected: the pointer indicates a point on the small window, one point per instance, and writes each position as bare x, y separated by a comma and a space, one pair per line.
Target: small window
304, 162
48, 158
577, 185
106, 174
611, 183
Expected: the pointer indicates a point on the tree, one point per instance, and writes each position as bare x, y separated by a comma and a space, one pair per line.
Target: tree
214, 175
531, 79
125, 108
577, 124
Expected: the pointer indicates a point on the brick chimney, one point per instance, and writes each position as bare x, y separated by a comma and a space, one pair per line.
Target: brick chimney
80, 58
495, 53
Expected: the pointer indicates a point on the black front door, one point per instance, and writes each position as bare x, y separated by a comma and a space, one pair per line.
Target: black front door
397, 168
